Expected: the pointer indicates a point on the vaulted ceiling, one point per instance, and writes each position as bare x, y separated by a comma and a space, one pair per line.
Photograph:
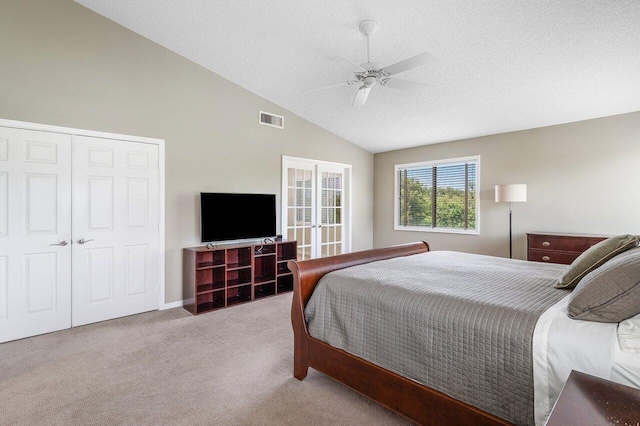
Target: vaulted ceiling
498, 66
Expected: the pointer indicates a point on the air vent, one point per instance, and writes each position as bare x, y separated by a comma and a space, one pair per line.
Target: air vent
272, 120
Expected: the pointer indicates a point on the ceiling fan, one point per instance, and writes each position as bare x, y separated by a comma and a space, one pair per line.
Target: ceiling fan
371, 73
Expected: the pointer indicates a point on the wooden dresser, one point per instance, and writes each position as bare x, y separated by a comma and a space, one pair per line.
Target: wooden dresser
558, 248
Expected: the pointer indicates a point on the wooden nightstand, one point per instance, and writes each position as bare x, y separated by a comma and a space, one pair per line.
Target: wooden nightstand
589, 400
558, 248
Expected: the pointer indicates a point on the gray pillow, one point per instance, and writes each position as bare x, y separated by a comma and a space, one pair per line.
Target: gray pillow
611, 293
595, 256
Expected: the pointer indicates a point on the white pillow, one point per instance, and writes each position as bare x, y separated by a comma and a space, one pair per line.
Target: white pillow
629, 335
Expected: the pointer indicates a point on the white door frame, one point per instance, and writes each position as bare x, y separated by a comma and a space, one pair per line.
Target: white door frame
161, 165
288, 161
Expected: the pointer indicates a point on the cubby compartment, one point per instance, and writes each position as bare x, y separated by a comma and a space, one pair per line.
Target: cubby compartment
238, 257
285, 283
223, 276
238, 276
264, 249
283, 268
208, 259
287, 250
264, 290
264, 269
238, 294
209, 279
209, 301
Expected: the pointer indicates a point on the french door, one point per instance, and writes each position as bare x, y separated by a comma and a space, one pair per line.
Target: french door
79, 230
316, 206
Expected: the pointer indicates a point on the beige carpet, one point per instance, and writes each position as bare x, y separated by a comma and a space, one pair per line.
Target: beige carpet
228, 367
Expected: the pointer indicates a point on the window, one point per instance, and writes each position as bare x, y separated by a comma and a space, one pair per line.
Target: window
437, 196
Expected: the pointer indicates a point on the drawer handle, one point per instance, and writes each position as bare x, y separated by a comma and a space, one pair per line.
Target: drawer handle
546, 243
546, 258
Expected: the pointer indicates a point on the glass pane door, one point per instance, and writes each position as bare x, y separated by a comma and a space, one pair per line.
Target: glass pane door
331, 209
300, 214
315, 206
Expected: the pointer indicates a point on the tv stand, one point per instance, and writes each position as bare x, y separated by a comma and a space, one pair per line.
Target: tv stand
227, 275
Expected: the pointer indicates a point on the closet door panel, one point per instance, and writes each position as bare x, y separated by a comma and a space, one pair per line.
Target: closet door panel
35, 231
116, 229
4, 203
4, 289
100, 270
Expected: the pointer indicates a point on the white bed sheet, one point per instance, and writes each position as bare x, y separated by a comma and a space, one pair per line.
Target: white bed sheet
562, 344
626, 356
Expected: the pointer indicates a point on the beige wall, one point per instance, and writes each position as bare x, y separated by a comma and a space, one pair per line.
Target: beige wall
64, 65
581, 178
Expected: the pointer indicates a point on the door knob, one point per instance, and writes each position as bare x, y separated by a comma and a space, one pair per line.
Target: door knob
61, 243
82, 241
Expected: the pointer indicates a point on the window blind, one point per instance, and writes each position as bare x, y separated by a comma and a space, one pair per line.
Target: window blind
439, 195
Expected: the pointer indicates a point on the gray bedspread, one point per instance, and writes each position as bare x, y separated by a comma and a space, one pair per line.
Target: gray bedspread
457, 322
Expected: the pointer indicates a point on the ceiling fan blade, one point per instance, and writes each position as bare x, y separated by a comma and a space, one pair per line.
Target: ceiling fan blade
345, 83
407, 64
412, 86
361, 96
348, 64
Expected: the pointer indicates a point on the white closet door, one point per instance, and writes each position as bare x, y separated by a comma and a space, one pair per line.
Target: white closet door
116, 235
35, 232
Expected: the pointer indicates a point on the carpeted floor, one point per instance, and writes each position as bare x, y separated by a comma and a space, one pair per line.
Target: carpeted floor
228, 367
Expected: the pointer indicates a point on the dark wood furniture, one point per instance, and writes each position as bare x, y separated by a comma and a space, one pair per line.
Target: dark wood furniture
558, 248
589, 400
417, 402
230, 274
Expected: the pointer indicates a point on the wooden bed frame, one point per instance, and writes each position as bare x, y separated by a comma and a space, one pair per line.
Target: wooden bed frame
406, 397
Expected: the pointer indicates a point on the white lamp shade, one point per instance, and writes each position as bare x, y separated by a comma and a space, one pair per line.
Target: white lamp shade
514, 193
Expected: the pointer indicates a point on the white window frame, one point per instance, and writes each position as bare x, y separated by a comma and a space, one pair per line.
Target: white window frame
437, 163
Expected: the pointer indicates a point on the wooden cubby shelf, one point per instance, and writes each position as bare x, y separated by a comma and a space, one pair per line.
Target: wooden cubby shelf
228, 275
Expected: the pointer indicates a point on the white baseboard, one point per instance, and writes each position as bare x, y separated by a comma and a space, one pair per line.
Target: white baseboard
171, 305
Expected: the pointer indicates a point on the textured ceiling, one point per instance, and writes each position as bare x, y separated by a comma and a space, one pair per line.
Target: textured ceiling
499, 65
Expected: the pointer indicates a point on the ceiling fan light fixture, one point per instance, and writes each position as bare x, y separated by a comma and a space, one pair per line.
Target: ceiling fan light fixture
368, 27
371, 73
369, 81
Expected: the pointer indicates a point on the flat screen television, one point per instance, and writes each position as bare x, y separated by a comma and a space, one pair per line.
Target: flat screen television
236, 216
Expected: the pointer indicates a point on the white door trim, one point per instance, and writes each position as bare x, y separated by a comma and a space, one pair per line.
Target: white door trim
161, 165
